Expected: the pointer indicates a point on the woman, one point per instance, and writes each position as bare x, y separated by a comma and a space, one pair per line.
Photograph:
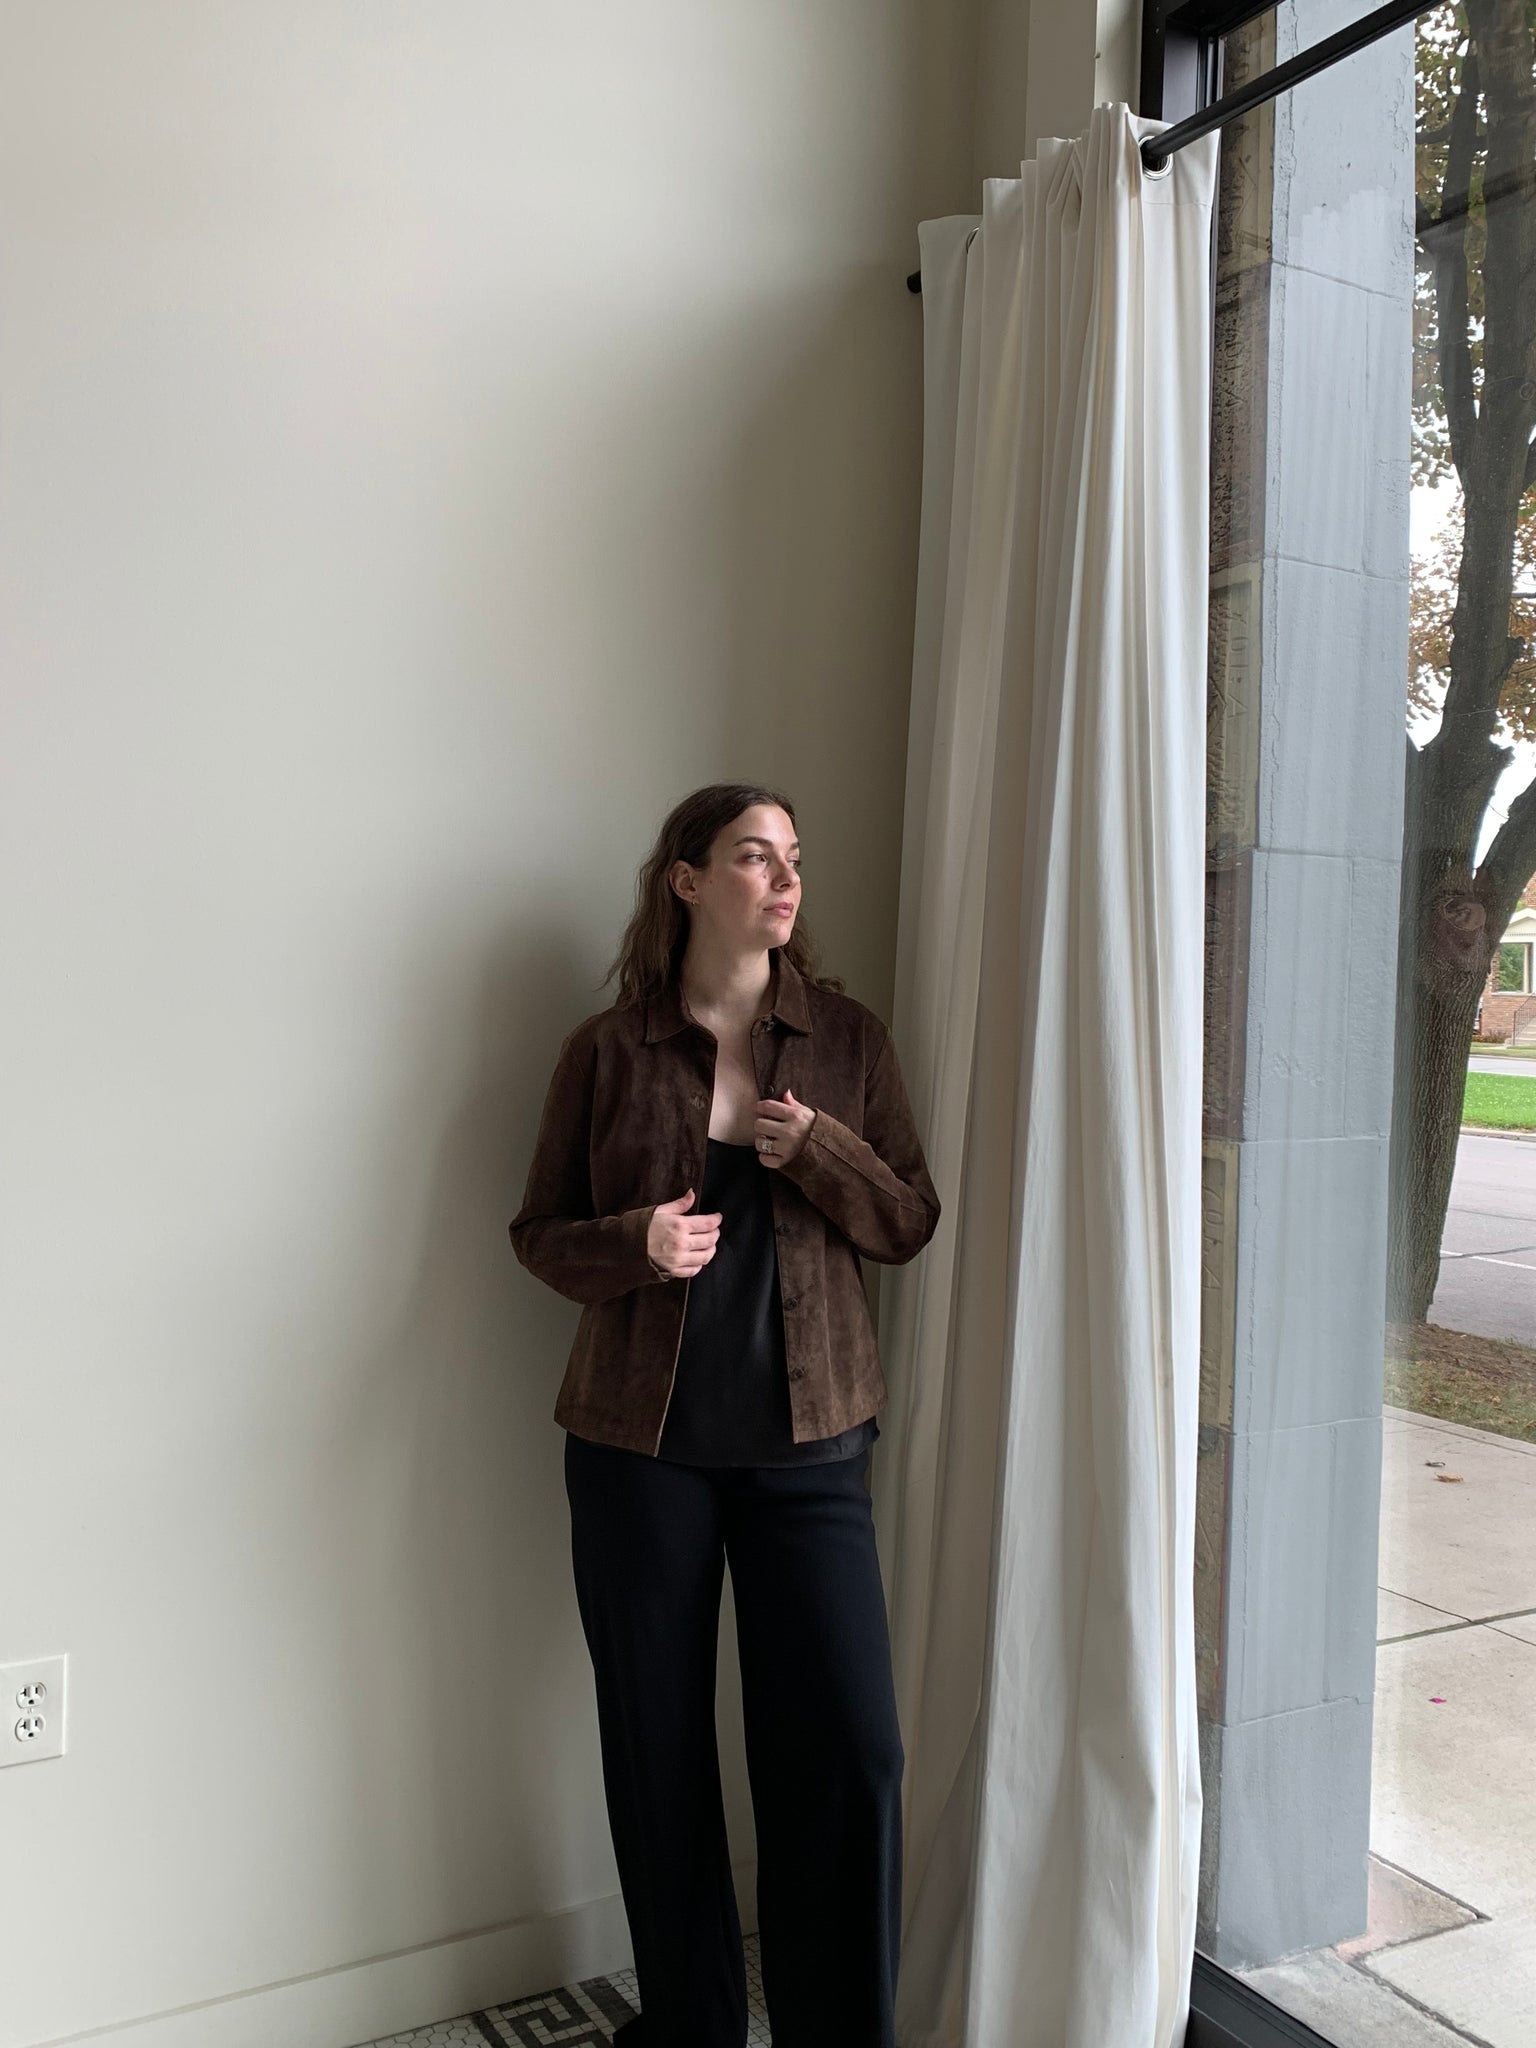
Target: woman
717, 1152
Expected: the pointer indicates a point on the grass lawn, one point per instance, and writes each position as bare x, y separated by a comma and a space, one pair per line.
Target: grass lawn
1479, 1051
1501, 1102
1488, 1382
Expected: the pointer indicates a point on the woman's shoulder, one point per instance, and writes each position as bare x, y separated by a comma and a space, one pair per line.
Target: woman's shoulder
619, 1023
846, 1018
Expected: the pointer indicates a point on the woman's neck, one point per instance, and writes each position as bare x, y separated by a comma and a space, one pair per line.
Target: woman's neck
732, 989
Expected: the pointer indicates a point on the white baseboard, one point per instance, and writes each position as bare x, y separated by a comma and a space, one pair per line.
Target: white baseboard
368, 2001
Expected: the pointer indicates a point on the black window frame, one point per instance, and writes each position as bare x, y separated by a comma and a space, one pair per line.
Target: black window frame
1181, 52
1181, 75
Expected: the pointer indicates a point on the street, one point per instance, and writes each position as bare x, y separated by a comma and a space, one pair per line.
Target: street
1488, 1250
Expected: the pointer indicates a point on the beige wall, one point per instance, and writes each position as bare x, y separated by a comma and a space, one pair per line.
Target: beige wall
435, 437
1043, 66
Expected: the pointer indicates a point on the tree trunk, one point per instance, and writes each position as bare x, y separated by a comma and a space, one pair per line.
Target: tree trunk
1435, 1016
1452, 918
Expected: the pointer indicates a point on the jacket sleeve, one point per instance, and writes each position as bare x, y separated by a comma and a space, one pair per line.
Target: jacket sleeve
875, 1188
555, 1233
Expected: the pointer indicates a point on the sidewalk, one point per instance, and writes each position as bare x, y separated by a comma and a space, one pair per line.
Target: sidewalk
1450, 1953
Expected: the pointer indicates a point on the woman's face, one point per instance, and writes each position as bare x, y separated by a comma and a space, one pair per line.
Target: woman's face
749, 895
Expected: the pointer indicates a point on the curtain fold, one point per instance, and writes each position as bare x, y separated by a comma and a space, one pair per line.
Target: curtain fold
1035, 1482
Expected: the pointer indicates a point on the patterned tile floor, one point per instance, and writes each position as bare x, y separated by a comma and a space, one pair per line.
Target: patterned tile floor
571, 2016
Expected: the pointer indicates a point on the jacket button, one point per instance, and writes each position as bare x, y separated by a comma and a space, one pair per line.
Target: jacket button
791, 1301
698, 1102
797, 1372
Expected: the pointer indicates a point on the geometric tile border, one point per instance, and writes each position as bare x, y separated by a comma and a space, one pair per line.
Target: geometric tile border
584, 2015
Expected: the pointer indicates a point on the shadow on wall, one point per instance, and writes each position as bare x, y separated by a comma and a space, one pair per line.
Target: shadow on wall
761, 560
467, 1686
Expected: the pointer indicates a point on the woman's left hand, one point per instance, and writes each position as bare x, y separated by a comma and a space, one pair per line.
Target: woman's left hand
786, 1124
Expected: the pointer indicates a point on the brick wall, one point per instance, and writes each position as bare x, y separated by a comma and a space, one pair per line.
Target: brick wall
1498, 1016
1499, 1005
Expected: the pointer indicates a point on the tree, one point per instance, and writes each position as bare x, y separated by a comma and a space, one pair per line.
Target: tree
1472, 620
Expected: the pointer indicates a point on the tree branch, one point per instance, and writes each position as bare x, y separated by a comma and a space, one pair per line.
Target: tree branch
1510, 861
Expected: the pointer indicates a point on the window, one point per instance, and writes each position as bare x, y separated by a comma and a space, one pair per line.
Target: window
1366, 1552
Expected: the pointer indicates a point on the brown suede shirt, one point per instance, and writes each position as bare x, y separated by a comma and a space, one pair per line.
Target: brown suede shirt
624, 1127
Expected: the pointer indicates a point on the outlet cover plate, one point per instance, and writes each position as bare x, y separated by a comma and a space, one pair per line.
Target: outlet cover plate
32, 1702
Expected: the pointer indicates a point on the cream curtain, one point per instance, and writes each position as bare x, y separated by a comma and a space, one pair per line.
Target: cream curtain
1034, 1487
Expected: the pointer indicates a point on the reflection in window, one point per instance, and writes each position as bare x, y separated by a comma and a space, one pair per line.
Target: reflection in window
1366, 1546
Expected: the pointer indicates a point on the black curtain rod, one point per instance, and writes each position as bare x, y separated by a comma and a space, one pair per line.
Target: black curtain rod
1157, 149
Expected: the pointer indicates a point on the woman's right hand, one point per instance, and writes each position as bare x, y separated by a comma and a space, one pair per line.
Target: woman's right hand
679, 1245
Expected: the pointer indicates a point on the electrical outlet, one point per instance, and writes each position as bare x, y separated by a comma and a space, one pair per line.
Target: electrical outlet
32, 1701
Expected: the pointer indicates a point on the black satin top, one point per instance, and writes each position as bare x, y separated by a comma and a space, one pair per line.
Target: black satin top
730, 1398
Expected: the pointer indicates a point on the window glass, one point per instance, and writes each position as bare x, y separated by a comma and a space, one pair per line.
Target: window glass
1366, 1515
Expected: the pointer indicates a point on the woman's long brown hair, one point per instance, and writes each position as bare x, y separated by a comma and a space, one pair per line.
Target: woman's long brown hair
651, 950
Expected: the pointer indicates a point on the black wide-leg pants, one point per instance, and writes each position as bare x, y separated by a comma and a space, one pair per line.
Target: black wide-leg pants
649, 1541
